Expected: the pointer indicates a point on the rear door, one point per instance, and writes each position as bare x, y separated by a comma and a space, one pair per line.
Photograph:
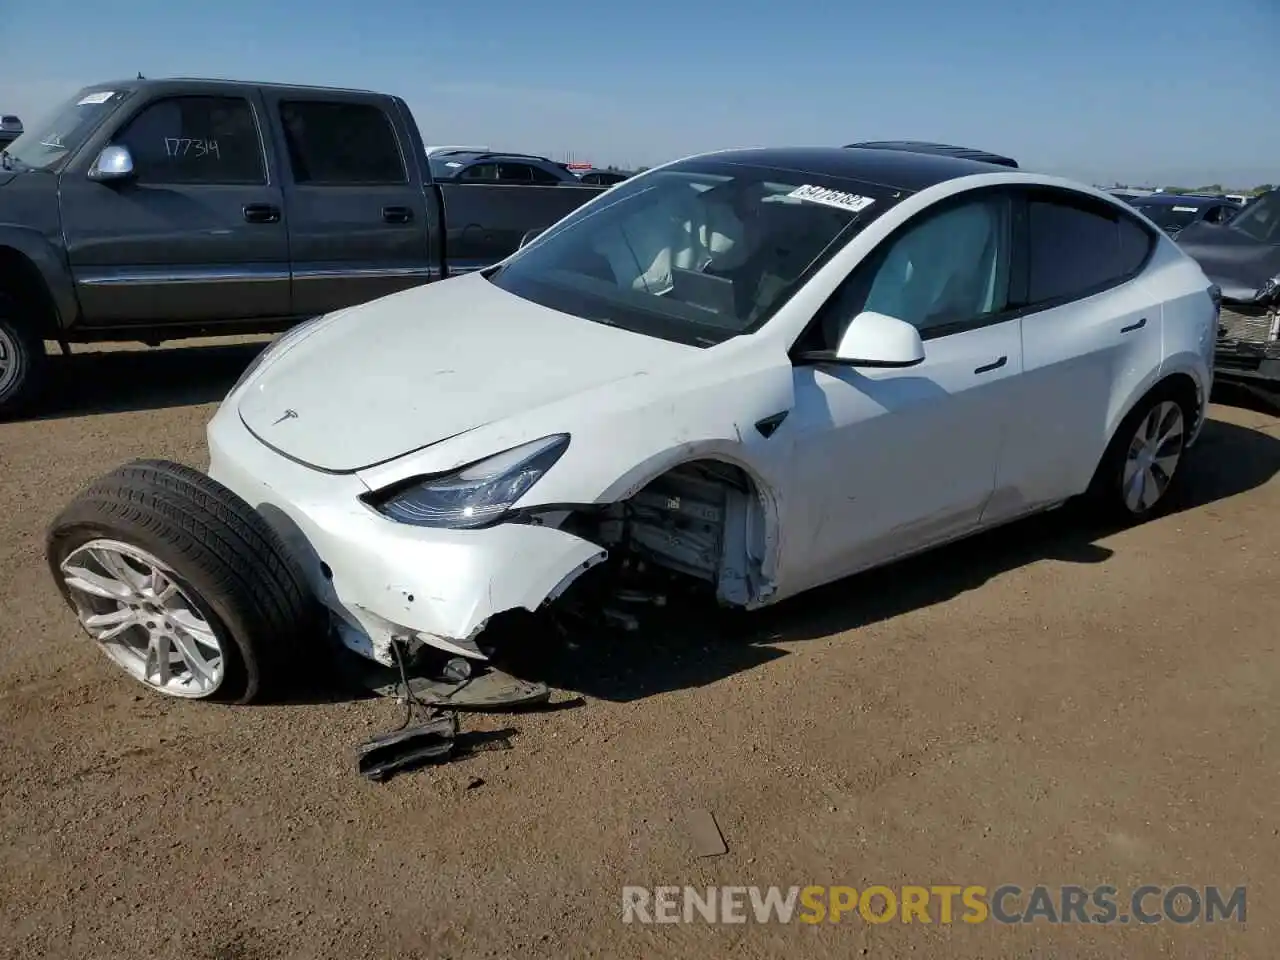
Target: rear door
198, 234
1091, 332
357, 209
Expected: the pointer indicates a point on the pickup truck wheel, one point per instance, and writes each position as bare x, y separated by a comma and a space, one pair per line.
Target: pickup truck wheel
183, 585
22, 363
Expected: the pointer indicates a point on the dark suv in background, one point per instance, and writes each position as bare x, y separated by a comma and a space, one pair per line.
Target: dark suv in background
467, 166
1174, 212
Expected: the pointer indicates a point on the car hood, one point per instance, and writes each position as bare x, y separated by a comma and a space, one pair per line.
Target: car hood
1236, 262
401, 373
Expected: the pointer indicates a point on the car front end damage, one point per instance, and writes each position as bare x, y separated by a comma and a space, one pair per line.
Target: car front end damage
382, 580
387, 583
1249, 338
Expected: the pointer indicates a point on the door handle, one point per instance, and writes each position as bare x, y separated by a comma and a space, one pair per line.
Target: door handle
261, 213
993, 365
1134, 326
397, 214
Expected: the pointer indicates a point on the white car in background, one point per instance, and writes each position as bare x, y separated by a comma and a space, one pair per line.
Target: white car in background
760, 370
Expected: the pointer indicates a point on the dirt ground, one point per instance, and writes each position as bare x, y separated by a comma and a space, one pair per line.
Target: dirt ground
1041, 705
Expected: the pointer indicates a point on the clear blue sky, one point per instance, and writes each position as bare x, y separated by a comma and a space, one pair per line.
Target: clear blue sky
1135, 90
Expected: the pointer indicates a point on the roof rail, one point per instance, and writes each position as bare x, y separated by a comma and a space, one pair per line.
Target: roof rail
937, 149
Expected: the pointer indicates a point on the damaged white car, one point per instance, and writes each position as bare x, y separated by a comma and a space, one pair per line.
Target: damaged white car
757, 370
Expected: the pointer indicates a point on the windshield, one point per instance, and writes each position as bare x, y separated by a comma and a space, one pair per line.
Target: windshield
697, 252
1260, 220
59, 135
1169, 216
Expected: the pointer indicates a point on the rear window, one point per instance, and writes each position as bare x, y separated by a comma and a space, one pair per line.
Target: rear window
1261, 219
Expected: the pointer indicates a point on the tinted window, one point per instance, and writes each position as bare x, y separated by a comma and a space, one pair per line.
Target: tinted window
515, 173
1073, 250
195, 140
1135, 247
481, 171
1261, 219
543, 176
336, 143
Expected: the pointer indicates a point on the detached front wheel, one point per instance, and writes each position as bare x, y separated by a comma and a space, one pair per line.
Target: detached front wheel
183, 585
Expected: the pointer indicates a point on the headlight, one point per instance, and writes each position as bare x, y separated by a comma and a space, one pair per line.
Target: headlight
274, 346
472, 496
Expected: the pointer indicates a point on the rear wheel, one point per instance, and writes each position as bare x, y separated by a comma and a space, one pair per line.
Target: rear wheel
184, 586
1141, 466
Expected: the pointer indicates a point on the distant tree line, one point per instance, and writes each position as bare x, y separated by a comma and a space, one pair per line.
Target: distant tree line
1217, 188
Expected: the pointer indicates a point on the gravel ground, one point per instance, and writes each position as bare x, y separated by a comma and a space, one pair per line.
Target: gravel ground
1036, 706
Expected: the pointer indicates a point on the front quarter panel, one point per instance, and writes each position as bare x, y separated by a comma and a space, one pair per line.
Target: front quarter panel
625, 434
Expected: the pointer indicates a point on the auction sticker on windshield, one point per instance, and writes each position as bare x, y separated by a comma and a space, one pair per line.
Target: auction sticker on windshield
831, 198
100, 96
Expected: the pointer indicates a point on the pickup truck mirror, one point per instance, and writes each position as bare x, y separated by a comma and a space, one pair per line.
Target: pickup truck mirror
114, 163
530, 235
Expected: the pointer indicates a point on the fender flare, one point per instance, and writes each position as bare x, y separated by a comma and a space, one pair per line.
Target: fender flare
51, 266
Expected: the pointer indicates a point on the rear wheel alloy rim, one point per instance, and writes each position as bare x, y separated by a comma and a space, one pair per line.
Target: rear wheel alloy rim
8, 361
131, 604
1153, 457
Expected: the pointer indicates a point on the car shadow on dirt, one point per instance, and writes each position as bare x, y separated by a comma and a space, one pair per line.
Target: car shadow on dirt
687, 646
120, 381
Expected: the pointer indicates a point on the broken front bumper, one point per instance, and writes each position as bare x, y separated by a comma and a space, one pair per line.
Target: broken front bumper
1248, 343
383, 579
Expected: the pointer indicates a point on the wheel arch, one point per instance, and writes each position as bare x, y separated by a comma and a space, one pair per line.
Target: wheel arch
1182, 382
763, 492
34, 274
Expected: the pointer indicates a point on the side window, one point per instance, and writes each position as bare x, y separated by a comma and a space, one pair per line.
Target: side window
943, 274
481, 171
1075, 250
1135, 247
341, 143
515, 173
543, 176
192, 140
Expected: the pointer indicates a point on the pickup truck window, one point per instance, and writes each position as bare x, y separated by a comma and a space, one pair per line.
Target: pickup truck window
332, 143
195, 140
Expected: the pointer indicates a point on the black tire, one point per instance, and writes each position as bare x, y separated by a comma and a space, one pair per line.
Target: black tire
228, 561
1106, 491
23, 362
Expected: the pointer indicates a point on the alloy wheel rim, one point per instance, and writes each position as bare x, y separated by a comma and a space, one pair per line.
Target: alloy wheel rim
1154, 454
140, 616
8, 361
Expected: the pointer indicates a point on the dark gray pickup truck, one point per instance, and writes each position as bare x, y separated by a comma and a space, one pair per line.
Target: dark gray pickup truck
149, 210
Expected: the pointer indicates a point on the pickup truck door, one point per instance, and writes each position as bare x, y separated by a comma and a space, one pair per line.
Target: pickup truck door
198, 233
358, 214
486, 218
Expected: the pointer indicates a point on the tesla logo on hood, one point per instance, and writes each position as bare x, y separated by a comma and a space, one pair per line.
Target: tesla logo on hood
287, 415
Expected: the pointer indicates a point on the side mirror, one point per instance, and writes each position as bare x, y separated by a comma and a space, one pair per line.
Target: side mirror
873, 340
530, 236
114, 163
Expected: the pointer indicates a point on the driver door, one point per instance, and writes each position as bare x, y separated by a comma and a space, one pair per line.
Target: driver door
888, 461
